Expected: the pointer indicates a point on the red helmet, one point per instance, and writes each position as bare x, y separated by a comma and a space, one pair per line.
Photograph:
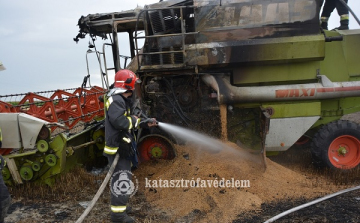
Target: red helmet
125, 79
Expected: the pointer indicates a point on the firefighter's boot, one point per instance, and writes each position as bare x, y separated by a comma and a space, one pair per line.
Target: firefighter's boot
123, 218
324, 22
344, 22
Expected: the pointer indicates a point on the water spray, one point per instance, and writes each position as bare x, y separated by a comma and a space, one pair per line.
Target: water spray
208, 143
205, 142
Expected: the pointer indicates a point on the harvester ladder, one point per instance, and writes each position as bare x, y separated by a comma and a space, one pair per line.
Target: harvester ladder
105, 84
98, 57
105, 64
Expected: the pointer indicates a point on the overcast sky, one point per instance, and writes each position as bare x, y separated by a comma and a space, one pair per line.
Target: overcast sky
36, 45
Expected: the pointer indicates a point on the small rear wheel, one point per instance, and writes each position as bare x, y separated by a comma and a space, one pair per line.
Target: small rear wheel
155, 146
337, 145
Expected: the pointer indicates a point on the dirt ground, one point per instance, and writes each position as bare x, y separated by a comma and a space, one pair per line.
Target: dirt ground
289, 180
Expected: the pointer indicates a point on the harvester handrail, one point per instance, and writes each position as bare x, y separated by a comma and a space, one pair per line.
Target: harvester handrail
105, 65
174, 34
183, 32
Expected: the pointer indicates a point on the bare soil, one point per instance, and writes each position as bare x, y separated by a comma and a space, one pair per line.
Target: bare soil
289, 180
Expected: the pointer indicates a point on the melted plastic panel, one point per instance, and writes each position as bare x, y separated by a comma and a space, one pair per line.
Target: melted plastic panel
268, 18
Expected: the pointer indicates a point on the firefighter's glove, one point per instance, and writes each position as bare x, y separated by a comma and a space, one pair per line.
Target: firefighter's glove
149, 122
125, 149
137, 112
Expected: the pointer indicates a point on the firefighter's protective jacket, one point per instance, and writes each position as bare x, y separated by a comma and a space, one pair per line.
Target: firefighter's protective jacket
0, 138
4, 193
118, 123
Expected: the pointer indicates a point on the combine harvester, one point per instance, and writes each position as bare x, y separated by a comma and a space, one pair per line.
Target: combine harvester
261, 73
46, 133
258, 72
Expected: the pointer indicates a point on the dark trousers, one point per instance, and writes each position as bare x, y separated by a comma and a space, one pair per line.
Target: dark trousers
120, 186
4, 206
330, 5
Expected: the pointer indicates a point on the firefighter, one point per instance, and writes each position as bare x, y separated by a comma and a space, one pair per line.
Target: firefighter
342, 10
4, 193
120, 124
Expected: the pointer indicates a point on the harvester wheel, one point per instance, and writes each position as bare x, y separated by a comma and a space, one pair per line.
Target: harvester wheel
153, 146
337, 145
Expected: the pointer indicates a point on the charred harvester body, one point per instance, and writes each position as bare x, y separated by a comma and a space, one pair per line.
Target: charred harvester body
261, 73
262, 70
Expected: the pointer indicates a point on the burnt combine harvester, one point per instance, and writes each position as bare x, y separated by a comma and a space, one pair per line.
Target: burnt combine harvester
258, 72
261, 73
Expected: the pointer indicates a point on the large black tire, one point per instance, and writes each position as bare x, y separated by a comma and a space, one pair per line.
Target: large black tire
337, 145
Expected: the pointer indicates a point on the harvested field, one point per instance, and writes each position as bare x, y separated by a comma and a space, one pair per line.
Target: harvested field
289, 180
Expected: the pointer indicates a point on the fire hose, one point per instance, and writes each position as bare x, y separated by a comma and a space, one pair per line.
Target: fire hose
100, 191
310, 203
351, 11
108, 176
